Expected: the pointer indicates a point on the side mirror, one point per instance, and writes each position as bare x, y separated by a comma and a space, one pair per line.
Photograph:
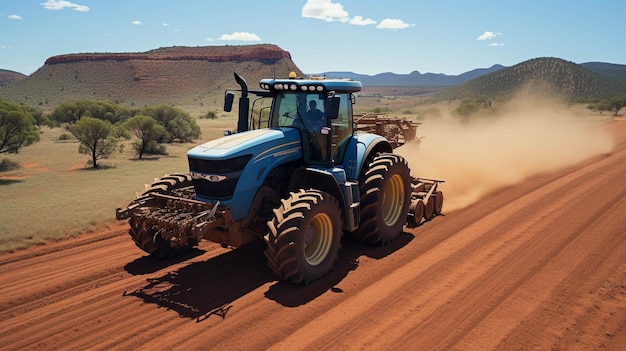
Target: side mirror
228, 101
331, 110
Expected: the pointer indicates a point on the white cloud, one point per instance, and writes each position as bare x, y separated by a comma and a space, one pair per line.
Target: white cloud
137, 23
61, 4
496, 44
325, 10
360, 21
240, 36
166, 24
329, 11
393, 23
488, 35
15, 17
209, 39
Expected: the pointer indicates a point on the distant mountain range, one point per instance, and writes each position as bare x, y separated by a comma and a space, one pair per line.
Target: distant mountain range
415, 78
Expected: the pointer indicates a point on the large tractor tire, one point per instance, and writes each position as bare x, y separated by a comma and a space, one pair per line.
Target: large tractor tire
385, 198
304, 236
166, 184
147, 238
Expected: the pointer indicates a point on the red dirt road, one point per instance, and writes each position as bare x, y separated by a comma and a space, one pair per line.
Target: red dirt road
537, 265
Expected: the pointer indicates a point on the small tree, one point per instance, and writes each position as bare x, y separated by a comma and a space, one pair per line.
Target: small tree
68, 112
18, 128
94, 137
616, 103
148, 131
71, 112
179, 125
467, 107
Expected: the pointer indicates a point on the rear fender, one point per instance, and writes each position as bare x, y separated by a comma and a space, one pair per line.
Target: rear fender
360, 149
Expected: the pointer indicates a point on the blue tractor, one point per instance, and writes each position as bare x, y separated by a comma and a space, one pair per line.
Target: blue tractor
298, 173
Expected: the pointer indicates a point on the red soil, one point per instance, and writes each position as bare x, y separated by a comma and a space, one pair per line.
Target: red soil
540, 264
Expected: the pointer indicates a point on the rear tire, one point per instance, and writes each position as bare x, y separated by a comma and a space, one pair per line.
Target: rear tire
385, 199
147, 238
304, 236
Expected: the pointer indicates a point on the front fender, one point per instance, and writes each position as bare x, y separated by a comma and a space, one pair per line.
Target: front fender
330, 181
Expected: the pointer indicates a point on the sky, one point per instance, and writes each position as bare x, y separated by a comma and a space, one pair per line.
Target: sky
360, 36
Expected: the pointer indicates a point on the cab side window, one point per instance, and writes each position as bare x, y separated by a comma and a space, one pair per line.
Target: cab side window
342, 127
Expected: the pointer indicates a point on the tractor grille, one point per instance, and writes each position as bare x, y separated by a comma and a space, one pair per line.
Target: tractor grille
217, 179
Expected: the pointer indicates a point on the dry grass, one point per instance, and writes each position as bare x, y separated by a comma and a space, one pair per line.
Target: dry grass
55, 195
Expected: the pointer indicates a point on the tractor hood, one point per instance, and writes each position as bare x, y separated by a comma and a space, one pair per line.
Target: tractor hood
260, 143
231, 169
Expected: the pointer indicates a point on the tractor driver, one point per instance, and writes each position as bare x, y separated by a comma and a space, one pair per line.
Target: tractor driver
314, 118
314, 122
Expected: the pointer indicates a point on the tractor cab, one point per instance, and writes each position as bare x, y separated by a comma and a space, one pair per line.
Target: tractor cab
321, 109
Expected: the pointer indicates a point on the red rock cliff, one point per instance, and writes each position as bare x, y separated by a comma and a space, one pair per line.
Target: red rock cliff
263, 53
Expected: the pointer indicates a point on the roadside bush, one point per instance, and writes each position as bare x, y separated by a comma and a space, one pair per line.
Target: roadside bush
8, 165
467, 108
209, 115
152, 148
65, 137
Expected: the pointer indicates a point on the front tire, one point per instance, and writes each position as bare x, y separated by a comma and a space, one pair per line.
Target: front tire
385, 199
304, 236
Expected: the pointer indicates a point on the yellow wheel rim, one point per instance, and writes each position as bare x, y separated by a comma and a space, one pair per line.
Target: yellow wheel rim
393, 199
318, 239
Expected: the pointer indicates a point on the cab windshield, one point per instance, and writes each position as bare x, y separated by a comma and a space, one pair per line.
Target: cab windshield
305, 111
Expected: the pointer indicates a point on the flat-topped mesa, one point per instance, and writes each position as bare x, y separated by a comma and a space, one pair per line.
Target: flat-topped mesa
206, 53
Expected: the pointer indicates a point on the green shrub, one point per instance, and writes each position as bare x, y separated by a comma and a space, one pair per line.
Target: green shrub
8, 165
65, 137
209, 115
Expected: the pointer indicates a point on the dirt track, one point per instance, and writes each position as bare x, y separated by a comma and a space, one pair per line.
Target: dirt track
538, 265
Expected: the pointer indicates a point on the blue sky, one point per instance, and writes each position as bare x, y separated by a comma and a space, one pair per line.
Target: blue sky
367, 37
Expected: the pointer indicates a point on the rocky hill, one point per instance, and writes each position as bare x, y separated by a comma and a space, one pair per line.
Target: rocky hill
180, 76
546, 75
7, 77
262, 53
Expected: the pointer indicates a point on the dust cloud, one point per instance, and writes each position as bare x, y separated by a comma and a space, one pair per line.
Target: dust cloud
527, 136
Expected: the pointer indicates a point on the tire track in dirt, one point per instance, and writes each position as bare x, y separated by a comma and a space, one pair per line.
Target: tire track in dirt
473, 251
579, 299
